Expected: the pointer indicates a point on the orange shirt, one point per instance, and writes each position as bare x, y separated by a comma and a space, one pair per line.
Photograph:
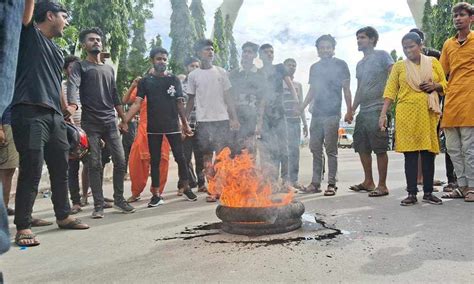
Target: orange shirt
458, 62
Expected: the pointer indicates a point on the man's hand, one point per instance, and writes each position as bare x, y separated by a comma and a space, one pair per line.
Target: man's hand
123, 126
305, 130
348, 117
135, 82
3, 139
69, 111
234, 124
383, 122
187, 131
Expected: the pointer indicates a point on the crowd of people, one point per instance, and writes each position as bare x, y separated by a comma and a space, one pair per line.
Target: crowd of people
58, 101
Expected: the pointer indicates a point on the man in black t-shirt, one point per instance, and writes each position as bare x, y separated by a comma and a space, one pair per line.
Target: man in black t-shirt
38, 125
328, 79
274, 150
94, 81
165, 108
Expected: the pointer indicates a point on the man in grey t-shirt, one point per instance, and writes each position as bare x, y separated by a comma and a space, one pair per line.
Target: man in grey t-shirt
372, 73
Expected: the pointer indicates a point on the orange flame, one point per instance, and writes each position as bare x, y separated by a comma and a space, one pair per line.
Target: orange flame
240, 184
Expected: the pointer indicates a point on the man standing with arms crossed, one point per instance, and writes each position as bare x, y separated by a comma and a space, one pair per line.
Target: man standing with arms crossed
457, 59
95, 82
372, 74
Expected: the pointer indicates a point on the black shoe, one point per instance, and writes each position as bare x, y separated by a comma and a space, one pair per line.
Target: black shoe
124, 207
431, 199
410, 200
155, 201
98, 213
189, 195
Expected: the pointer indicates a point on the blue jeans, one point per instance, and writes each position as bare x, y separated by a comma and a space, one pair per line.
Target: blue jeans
11, 13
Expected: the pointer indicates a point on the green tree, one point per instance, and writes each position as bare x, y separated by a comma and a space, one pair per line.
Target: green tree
220, 42
197, 12
182, 34
233, 60
92, 13
426, 22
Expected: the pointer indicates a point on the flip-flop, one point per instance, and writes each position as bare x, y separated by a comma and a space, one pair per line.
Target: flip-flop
456, 193
360, 187
20, 237
40, 223
330, 191
378, 192
211, 198
75, 224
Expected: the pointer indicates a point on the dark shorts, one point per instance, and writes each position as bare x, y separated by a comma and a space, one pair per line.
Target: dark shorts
368, 137
213, 136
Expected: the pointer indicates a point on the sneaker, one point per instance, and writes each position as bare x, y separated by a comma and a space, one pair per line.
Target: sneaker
410, 200
431, 199
155, 201
133, 199
124, 207
98, 213
189, 195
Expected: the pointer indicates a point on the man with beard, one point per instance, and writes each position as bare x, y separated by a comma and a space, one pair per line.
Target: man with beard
457, 59
39, 129
95, 82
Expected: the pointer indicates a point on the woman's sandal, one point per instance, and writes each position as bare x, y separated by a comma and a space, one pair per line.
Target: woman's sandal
378, 192
449, 187
21, 237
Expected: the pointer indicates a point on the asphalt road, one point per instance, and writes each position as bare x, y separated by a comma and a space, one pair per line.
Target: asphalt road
379, 241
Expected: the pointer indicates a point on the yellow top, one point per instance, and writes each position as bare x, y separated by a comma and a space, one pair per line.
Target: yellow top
458, 62
415, 125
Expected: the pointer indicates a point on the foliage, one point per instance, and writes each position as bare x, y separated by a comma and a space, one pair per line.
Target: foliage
183, 35
233, 59
197, 13
220, 41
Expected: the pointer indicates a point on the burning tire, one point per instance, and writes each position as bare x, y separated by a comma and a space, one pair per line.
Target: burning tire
261, 220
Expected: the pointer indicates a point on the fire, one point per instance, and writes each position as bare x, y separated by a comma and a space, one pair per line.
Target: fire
240, 184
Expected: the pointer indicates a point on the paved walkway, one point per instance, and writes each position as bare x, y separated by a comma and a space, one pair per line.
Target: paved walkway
382, 242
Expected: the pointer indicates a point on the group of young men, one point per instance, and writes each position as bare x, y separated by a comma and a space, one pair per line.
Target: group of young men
259, 110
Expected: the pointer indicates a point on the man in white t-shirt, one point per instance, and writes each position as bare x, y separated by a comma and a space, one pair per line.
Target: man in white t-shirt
208, 88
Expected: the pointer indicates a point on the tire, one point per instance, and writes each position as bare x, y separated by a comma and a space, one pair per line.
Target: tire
270, 215
262, 229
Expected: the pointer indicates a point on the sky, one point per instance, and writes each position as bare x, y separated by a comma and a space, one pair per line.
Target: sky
292, 27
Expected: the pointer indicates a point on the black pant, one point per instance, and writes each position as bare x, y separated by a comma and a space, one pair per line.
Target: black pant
190, 146
40, 134
127, 140
411, 170
154, 145
74, 188
274, 148
450, 174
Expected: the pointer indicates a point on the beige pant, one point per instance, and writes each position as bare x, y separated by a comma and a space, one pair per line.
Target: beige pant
460, 145
9, 158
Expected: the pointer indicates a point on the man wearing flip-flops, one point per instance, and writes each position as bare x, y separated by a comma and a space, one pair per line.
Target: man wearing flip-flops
457, 59
38, 125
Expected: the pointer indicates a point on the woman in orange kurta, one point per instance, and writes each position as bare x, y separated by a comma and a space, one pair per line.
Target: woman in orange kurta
139, 160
